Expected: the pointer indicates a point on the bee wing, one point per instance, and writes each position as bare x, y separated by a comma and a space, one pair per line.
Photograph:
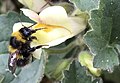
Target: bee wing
12, 62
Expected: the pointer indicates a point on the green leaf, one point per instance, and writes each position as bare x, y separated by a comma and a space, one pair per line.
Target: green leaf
34, 70
1, 78
61, 56
86, 5
104, 36
98, 80
3, 65
112, 77
60, 66
76, 74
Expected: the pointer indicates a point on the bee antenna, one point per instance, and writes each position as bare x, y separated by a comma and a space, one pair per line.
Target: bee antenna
21, 22
24, 25
31, 25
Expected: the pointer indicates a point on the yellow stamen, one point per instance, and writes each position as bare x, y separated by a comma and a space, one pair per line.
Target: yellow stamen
48, 27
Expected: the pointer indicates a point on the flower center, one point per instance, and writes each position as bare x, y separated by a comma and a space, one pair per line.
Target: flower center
48, 27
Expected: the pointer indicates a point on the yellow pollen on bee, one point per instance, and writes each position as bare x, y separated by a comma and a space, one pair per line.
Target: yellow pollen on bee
11, 49
18, 36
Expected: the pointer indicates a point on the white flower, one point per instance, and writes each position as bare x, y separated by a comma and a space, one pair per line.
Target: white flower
59, 26
34, 5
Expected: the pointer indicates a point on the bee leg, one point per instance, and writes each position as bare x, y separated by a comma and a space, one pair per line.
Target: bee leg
34, 48
11, 72
7, 70
40, 29
15, 75
32, 37
30, 25
34, 31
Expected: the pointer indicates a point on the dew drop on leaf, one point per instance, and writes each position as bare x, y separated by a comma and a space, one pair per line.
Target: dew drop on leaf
107, 60
111, 3
110, 70
116, 37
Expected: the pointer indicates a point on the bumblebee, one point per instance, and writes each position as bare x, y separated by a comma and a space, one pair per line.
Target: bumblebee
19, 47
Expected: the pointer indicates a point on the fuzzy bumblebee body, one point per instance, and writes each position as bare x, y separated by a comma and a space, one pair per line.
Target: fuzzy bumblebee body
19, 47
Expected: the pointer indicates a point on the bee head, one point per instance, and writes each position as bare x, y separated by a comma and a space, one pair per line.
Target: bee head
26, 32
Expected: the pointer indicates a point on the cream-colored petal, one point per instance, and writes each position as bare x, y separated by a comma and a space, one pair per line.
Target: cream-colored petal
50, 44
37, 53
58, 41
55, 15
19, 25
35, 5
77, 24
47, 37
31, 14
39, 5
27, 3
